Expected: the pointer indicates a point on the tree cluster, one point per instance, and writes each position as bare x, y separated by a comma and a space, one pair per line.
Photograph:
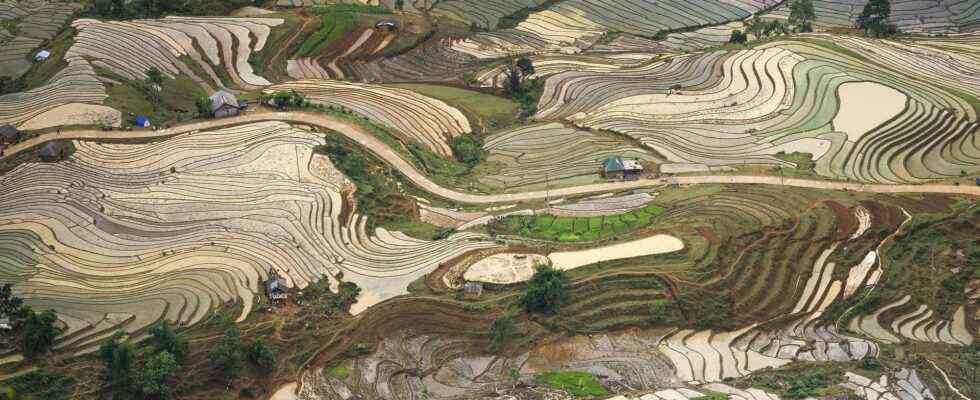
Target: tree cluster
802, 15
284, 99
521, 88
874, 19
37, 330
155, 378
546, 291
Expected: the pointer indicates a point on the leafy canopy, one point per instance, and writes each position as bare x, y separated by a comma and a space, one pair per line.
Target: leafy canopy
546, 291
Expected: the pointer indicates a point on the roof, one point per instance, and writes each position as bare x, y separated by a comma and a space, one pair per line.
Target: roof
8, 132
52, 149
222, 98
43, 54
473, 287
612, 163
276, 284
141, 120
617, 163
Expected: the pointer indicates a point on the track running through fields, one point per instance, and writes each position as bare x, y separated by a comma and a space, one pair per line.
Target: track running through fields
386, 153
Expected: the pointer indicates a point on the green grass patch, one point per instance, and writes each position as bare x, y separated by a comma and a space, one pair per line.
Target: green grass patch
576, 383
346, 8
42, 72
175, 102
332, 27
576, 229
340, 370
496, 111
43, 384
800, 380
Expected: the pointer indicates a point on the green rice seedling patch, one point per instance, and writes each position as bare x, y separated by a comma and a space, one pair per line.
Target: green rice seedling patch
576, 383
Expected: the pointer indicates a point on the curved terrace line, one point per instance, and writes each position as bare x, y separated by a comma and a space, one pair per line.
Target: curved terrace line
384, 152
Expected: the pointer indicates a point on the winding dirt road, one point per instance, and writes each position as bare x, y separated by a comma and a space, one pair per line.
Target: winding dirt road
383, 151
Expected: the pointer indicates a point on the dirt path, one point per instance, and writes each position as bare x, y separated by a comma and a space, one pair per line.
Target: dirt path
379, 148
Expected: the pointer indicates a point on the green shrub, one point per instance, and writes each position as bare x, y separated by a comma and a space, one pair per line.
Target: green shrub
576, 383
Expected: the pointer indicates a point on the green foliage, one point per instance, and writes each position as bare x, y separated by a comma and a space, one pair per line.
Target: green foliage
468, 149
203, 106
799, 381
525, 66
10, 305
346, 296
227, 355
346, 8
576, 229
576, 383
118, 358
163, 337
713, 396
39, 333
285, 98
339, 370
157, 378
154, 76
738, 37
501, 331
546, 292
874, 19
333, 25
802, 15
43, 385
262, 355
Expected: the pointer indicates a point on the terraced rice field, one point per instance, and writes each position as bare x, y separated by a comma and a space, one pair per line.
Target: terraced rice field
430, 122
74, 87
483, 14
571, 26
729, 108
600, 221
917, 16
130, 48
122, 236
35, 21
535, 155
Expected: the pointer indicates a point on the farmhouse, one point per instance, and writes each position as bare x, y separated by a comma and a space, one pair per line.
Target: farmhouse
141, 121
615, 167
275, 289
224, 104
52, 151
8, 134
42, 55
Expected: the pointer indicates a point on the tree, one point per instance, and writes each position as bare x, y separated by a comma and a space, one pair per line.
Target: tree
10, 305
154, 76
874, 19
203, 106
500, 331
525, 66
118, 358
155, 380
262, 355
467, 149
399, 4
802, 15
738, 37
545, 291
39, 333
164, 338
227, 355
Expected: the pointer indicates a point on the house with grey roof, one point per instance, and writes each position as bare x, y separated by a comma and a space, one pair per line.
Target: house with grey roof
224, 104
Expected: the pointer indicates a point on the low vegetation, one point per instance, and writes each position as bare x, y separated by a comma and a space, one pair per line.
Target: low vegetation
579, 384
576, 229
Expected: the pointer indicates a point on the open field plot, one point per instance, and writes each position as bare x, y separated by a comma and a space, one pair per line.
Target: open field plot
130, 48
494, 110
570, 229
729, 108
74, 88
571, 26
940, 16
430, 122
535, 155
34, 22
126, 235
